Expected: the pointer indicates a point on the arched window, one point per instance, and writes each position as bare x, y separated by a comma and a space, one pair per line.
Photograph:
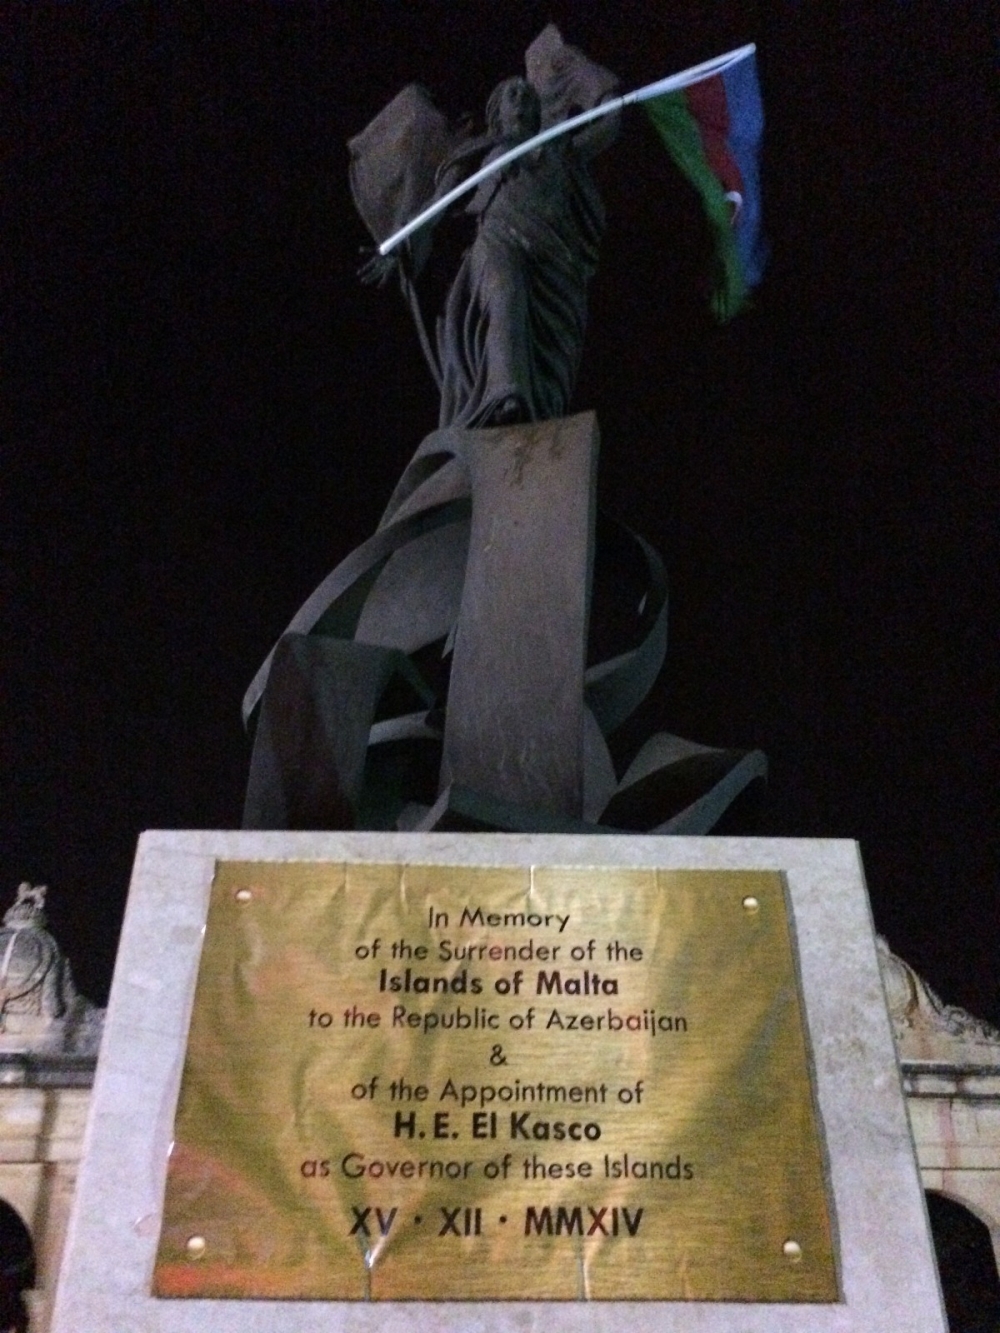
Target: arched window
17, 1269
967, 1266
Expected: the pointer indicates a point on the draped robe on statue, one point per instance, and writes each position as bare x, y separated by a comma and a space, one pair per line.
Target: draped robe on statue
514, 318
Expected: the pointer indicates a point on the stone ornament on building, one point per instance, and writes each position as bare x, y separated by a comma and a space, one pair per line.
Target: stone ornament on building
40, 1007
950, 1066
49, 1039
926, 1028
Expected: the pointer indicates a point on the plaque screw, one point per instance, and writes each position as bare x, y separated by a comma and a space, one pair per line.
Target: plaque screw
196, 1247
751, 905
243, 895
792, 1251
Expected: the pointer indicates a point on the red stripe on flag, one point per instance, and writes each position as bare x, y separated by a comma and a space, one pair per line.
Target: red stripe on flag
708, 105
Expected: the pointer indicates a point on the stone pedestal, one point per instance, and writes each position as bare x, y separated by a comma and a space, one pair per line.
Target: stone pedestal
886, 1270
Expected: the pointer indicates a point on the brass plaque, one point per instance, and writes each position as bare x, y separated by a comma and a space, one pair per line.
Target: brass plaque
476, 1083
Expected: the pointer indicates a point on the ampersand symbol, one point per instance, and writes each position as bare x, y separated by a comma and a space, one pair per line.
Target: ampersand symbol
497, 1056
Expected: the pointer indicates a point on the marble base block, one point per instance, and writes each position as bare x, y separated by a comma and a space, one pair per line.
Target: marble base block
887, 1272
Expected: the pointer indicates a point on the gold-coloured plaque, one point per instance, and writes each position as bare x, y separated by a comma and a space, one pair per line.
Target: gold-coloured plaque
478, 1083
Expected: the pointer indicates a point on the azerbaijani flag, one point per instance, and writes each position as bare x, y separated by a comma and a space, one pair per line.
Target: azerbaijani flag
711, 119
713, 131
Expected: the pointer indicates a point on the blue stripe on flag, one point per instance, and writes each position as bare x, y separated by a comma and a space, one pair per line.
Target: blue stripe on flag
746, 130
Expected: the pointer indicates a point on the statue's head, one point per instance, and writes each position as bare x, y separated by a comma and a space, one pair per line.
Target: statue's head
514, 111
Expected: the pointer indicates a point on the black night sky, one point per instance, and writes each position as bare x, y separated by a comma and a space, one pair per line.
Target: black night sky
203, 412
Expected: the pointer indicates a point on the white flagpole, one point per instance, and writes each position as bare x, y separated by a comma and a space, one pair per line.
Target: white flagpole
668, 85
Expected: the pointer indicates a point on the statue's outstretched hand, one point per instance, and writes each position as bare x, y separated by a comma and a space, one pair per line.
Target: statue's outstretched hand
378, 269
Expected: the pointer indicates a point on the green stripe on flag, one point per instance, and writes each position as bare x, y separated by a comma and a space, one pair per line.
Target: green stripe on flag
679, 132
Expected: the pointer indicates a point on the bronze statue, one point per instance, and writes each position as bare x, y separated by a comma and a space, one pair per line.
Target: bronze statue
510, 337
472, 599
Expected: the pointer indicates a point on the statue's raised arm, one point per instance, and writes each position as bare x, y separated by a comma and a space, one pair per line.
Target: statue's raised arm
568, 82
507, 345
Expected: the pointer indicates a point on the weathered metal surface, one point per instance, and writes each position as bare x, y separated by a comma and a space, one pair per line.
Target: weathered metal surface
312, 738
514, 726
